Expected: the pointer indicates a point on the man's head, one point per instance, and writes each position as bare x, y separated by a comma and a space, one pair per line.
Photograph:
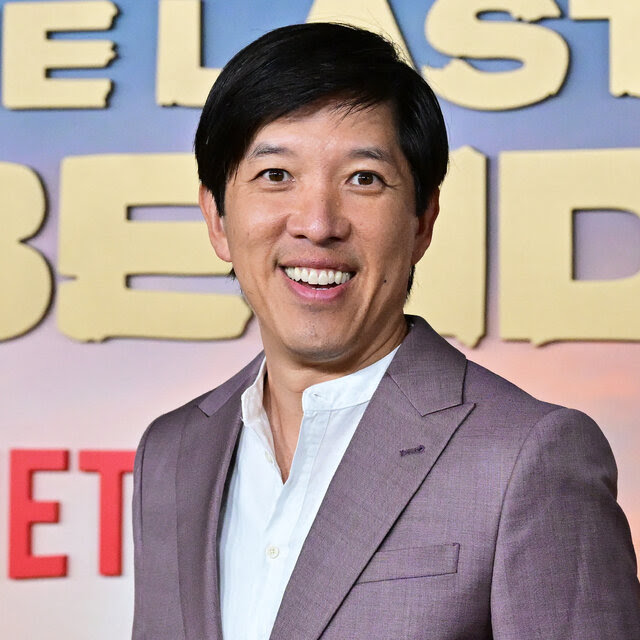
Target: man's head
320, 155
296, 66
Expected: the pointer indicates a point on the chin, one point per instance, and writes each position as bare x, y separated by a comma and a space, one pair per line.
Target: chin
319, 350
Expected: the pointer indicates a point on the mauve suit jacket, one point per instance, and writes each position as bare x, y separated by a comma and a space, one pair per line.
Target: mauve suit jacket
463, 509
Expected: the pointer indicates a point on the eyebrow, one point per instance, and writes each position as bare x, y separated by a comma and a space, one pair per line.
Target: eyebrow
372, 153
268, 149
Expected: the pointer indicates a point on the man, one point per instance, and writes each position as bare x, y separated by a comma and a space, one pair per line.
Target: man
360, 479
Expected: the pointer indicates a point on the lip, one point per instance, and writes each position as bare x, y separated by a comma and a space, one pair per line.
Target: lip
310, 294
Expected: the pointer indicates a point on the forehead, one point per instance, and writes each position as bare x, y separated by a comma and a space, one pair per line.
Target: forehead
333, 125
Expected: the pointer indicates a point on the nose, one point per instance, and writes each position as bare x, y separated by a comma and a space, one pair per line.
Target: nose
318, 215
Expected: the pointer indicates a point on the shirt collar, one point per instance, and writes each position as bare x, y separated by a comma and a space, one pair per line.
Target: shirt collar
253, 413
339, 393
347, 391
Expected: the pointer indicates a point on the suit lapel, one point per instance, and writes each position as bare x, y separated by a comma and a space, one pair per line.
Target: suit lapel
207, 445
410, 419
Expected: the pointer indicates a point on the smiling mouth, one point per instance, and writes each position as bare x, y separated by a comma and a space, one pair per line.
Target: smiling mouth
319, 278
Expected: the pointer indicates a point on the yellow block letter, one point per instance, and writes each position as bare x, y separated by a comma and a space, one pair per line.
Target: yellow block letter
539, 191
100, 248
180, 79
25, 279
28, 54
450, 282
624, 44
453, 27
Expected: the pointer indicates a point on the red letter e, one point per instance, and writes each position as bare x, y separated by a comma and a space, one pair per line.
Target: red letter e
25, 512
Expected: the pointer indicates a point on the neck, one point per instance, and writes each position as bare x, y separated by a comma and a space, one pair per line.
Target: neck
287, 378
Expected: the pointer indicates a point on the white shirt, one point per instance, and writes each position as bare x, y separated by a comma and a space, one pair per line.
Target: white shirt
265, 522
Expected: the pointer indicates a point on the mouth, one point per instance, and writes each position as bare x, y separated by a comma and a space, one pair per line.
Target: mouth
318, 278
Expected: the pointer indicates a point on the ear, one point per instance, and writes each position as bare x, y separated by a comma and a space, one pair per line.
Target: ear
215, 224
425, 227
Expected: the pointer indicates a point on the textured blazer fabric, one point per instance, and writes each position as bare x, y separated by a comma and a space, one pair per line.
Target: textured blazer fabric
463, 509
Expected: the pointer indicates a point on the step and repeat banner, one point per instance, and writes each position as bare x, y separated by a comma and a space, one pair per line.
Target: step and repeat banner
114, 308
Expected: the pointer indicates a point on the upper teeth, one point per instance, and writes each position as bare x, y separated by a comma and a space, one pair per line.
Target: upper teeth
317, 276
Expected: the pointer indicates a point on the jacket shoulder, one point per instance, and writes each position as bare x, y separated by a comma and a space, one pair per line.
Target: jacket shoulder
504, 410
486, 388
168, 426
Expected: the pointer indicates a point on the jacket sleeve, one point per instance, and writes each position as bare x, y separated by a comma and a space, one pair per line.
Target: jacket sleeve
138, 631
564, 567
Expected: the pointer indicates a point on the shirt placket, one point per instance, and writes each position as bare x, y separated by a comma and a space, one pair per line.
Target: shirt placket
262, 458
278, 562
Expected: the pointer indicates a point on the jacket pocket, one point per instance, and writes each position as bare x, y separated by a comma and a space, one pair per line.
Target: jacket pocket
416, 562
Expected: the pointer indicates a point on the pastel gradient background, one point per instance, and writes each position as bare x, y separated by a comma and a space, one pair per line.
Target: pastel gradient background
58, 393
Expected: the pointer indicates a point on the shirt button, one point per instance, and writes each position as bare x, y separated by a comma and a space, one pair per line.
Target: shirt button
268, 457
273, 552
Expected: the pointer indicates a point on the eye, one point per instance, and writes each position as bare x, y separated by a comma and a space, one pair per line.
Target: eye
275, 175
366, 179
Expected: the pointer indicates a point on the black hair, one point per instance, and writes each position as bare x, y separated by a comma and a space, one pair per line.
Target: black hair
296, 66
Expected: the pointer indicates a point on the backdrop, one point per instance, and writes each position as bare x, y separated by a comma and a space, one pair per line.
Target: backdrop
113, 308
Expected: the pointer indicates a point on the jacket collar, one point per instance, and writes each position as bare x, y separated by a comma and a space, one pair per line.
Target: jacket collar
427, 369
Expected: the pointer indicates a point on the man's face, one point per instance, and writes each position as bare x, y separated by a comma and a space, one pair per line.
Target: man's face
321, 228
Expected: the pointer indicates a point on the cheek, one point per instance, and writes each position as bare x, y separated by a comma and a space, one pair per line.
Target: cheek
392, 242
261, 219
252, 246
